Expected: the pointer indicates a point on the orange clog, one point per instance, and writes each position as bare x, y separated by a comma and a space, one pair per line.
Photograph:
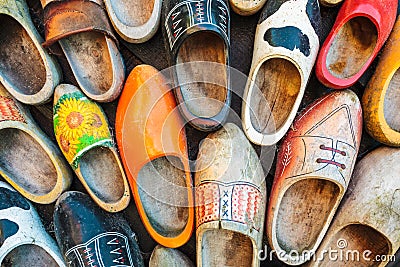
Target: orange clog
152, 143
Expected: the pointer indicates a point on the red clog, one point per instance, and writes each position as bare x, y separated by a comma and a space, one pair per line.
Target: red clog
360, 30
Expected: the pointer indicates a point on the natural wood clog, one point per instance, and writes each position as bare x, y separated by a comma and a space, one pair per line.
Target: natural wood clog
82, 29
198, 42
280, 68
360, 30
89, 236
381, 100
29, 160
27, 71
83, 134
135, 21
230, 200
246, 7
168, 257
368, 220
24, 241
314, 166
152, 142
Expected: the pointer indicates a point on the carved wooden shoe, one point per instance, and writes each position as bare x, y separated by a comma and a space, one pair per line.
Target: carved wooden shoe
230, 200
168, 257
24, 242
280, 68
246, 7
27, 71
360, 30
135, 21
197, 32
381, 100
83, 134
314, 166
82, 29
89, 236
29, 160
368, 220
152, 142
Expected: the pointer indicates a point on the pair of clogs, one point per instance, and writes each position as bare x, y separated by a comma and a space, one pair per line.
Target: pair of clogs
86, 235
229, 181
281, 66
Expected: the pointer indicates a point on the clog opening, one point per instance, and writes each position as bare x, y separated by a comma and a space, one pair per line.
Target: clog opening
303, 212
203, 99
351, 47
352, 242
221, 247
29, 255
277, 86
20, 62
163, 193
391, 104
101, 171
89, 56
133, 13
25, 162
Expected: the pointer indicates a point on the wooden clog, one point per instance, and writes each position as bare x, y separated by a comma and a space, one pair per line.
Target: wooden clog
198, 42
314, 166
246, 7
83, 134
82, 29
24, 241
29, 160
152, 142
27, 71
381, 100
280, 68
135, 21
230, 200
168, 257
360, 30
89, 236
368, 220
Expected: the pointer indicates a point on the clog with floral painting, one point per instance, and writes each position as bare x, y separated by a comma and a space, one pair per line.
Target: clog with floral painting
82, 132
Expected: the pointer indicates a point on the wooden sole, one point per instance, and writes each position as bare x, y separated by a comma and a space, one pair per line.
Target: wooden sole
221, 248
308, 203
360, 238
133, 13
391, 103
135, 21
29, 255
96, 64
20, 61
279, 82
38, 176
351, 48
203, 99
101, 172
166, 205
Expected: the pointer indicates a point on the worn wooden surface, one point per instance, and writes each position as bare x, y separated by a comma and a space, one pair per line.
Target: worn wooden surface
153, 53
